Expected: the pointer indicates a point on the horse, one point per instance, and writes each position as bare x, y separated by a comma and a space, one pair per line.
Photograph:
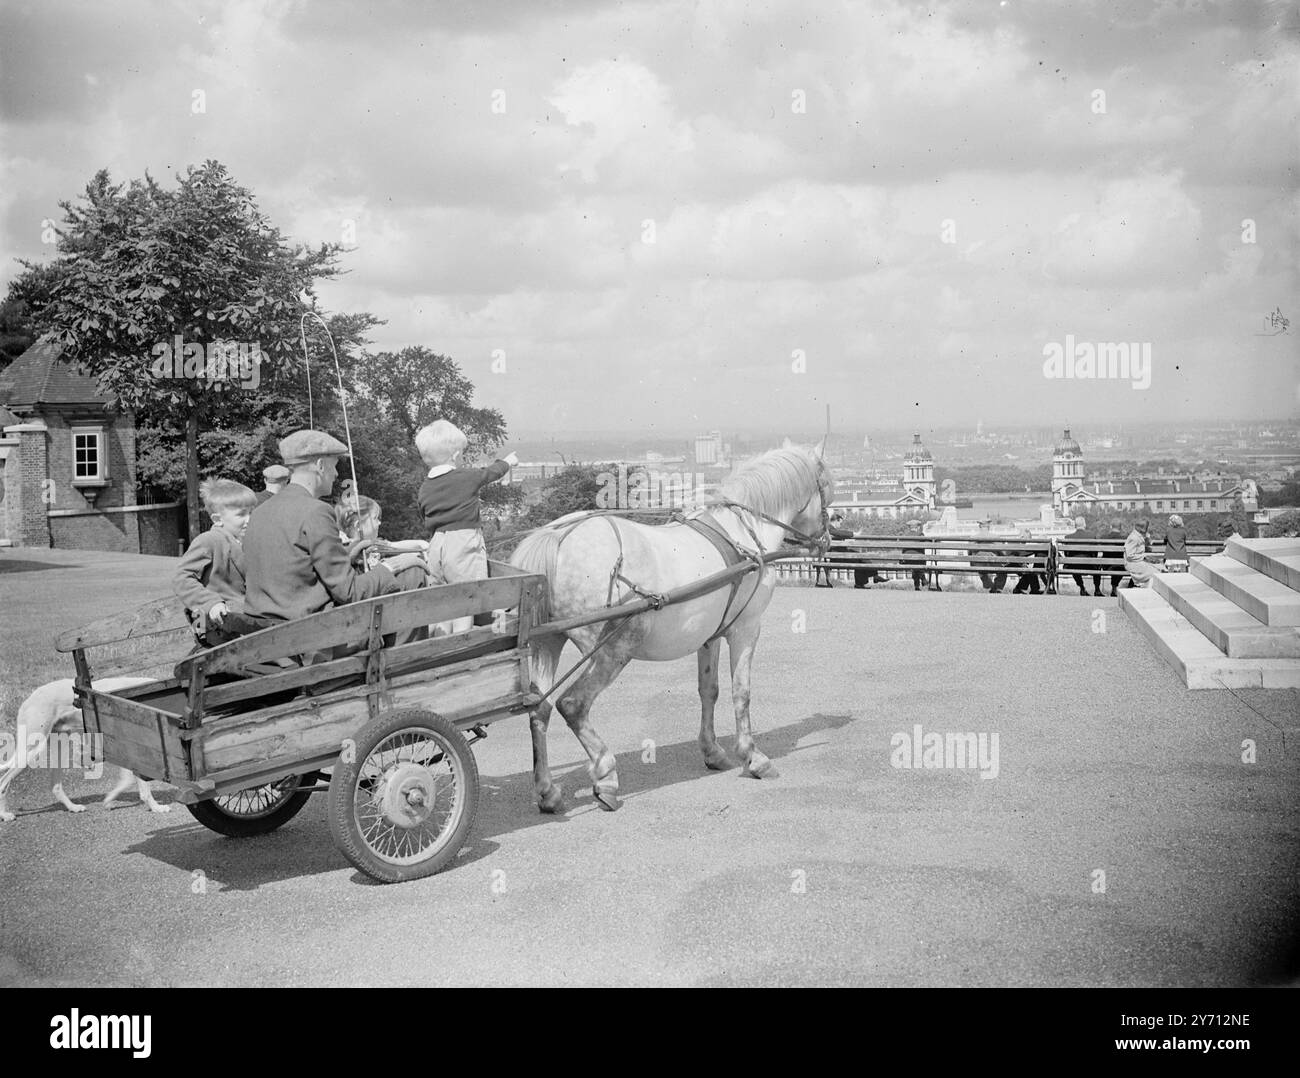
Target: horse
594, 560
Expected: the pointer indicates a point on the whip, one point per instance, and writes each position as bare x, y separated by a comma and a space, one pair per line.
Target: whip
343, 398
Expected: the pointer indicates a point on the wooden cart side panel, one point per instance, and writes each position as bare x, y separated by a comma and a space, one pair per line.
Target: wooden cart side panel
136, 737
322, 726
500, 636
350, 625
159, 616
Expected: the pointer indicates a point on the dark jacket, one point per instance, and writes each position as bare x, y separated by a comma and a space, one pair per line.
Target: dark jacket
1176, 543
449, 502
295, 563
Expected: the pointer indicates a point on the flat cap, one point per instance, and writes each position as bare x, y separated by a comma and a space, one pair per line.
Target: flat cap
275, 473
304, 445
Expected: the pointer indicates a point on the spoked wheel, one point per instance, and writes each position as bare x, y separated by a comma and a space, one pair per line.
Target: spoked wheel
403, 807
257, 810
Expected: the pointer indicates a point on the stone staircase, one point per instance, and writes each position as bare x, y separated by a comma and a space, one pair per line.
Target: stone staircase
1233, 622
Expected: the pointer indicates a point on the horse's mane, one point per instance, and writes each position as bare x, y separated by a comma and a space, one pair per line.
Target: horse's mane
777, 481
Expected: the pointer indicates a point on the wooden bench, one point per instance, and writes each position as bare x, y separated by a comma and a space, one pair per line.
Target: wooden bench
1101, 558
902, 555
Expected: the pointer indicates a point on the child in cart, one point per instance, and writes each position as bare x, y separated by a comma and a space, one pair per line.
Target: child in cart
449, 504
359, 519
210, 577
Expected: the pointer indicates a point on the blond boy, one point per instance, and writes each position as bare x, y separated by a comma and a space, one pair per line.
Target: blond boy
449, 504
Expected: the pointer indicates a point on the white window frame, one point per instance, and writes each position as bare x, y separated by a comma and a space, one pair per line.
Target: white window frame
100, 478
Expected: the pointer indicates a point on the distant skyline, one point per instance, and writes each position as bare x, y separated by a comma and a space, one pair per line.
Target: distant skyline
704, 213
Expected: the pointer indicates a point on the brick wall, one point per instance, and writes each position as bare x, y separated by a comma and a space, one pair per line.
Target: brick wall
160, 530
34, 525
119, 444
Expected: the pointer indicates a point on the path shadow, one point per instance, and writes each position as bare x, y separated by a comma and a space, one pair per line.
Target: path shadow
17, 565
303, 847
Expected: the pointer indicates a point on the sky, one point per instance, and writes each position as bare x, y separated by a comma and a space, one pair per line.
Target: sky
653, 217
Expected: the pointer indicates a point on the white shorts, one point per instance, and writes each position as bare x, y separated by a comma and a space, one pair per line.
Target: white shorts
457, 555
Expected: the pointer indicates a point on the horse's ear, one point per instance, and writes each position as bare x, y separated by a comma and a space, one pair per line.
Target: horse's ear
820, 448
787, 444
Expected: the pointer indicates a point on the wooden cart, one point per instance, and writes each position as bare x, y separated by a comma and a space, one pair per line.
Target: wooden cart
244, 730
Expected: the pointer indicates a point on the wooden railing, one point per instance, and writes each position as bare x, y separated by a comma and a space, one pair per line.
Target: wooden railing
892, 557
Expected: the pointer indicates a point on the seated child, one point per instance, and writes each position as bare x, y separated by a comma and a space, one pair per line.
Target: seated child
210, 577
449, 504
359, 519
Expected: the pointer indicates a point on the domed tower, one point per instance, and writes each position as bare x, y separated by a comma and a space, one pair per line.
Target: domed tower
918, 471
1067, 467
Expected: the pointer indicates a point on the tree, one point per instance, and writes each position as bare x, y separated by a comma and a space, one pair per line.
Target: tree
569, 491
415, 386
143, 273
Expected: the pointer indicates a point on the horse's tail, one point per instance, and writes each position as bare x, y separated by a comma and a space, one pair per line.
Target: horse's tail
538, 553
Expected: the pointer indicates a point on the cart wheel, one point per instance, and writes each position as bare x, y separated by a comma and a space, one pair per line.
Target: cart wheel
403, 807
257, 810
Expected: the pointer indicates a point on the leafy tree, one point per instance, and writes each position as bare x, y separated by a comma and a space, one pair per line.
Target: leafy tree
569, 491
139, 267
1284, 524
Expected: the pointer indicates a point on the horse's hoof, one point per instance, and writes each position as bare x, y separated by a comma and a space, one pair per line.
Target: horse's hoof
7, 817
160, 808
76, 808
758, 766
607, 799
717, 762
552, 801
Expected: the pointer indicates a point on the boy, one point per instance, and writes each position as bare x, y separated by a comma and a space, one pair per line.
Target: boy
210, 577
449, 505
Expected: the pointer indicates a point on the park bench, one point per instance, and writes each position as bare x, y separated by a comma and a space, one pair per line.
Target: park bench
1090, 558
903, 555
895, 556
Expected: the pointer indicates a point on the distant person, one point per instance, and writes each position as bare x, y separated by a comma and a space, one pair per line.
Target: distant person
837, 531
1140, 570
1176, 545
1030, 580
274, 477
1080, 534
915, 555
1114, 557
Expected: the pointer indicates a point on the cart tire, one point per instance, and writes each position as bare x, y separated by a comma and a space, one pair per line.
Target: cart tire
259, 810
403, 805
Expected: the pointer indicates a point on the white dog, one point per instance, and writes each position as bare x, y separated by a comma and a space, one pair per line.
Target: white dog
50, 709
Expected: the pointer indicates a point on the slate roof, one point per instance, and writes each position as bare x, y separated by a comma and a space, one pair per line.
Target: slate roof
1154, 488
37, 378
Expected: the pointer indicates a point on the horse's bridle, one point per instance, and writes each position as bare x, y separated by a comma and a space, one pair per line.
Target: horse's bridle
820, 541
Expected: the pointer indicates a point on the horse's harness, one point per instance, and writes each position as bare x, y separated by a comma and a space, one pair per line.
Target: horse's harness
732, 553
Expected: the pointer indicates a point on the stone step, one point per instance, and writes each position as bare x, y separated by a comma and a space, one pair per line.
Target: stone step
1262, 597
1278, 558
1198, 662
1226, 625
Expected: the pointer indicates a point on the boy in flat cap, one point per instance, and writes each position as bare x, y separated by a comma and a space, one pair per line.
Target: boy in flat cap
295, 564
275, 477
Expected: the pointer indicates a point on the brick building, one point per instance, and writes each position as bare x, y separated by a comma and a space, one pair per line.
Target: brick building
67, 464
